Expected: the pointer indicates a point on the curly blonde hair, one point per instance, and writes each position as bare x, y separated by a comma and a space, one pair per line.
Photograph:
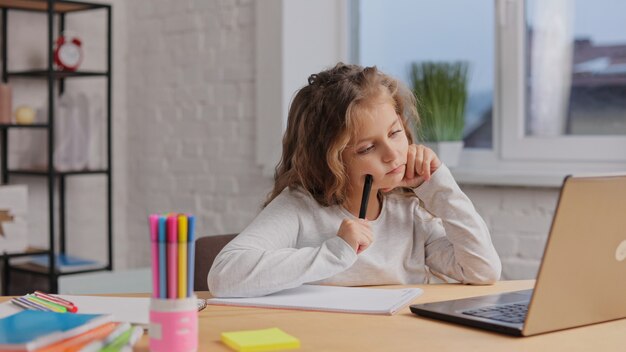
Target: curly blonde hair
321, 123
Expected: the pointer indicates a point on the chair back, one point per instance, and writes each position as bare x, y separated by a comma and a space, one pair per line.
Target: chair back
207, 248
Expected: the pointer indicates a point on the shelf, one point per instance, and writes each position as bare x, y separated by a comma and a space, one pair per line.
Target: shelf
4, 126
34, 266
44, 172
42, 5
38, 270
56, 74
54, 11
29, 251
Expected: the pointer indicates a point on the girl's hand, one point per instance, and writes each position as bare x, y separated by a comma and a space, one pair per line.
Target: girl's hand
357, 233
421, 163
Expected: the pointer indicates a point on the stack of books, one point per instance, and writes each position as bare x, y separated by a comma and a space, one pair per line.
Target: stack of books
49, 324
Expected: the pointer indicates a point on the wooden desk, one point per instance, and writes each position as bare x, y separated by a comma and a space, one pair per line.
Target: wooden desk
403, 331
321, 331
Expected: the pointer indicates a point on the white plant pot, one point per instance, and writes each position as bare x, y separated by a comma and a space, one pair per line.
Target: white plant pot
448, 152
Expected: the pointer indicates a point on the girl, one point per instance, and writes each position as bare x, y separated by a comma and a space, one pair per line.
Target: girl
349, 122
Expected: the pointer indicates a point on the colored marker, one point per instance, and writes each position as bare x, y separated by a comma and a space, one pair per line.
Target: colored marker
54, 298
53, 306
182, 256
191, 249
76, 343
100, 345
121, 341
135, 336
162, 258
26, 304
153, 222
57, 300
172, 256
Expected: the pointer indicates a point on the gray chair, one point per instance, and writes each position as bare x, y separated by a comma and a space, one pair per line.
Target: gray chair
207, 248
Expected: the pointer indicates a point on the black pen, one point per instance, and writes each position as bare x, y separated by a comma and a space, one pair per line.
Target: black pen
367, 187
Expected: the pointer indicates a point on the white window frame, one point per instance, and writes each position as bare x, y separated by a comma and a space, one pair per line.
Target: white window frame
312, 35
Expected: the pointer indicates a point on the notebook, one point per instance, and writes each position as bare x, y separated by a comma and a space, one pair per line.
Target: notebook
260, 340
330, 299
29, 330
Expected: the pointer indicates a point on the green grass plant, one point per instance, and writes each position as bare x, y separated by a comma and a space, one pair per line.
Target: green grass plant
441, 92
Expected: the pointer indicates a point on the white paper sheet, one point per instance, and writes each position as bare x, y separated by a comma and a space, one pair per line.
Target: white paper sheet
331, 299
134, 310
124, 309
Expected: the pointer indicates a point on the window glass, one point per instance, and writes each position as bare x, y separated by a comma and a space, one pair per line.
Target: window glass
576, 67
394, 34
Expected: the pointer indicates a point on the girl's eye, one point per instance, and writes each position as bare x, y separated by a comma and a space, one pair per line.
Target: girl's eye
394, 133
365, 150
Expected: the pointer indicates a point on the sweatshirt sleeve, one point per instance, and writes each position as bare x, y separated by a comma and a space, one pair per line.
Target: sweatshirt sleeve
459, 245
263, 259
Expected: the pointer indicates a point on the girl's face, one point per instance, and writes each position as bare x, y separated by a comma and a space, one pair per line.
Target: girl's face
379, 149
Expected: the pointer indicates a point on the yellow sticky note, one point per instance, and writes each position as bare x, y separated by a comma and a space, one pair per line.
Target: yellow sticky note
260, 340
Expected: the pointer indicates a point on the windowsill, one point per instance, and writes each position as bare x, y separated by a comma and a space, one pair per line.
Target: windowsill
518, 174
483, 167
491, 177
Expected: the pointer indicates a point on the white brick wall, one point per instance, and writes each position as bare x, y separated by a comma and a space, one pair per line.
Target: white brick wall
519, 220
184, 134
191, 121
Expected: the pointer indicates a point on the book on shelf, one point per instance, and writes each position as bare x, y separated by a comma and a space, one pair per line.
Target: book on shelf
64, 262
30, 330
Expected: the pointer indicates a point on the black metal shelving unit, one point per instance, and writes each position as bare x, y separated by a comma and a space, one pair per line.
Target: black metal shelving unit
52, 8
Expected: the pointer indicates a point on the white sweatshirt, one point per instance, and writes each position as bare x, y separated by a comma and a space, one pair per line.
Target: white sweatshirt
294, 241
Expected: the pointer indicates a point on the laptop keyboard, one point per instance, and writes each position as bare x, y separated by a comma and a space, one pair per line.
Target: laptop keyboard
509, 313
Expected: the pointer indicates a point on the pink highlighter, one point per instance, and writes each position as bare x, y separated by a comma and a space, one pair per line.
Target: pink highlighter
172, 256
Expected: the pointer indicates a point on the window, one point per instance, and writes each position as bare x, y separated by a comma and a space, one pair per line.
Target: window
563, 81
586, 95
548, 78
394, 34
512, 74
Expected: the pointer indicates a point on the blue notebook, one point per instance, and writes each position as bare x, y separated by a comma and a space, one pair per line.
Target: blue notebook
29, 330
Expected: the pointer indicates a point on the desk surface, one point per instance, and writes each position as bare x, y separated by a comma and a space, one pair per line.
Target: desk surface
321, 331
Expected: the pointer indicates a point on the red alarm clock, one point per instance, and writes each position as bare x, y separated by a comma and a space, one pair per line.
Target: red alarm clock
68, 53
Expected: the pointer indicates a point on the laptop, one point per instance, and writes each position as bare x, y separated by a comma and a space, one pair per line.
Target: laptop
582, 277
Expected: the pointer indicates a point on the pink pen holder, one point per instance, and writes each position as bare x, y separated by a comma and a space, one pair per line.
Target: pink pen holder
173, 325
